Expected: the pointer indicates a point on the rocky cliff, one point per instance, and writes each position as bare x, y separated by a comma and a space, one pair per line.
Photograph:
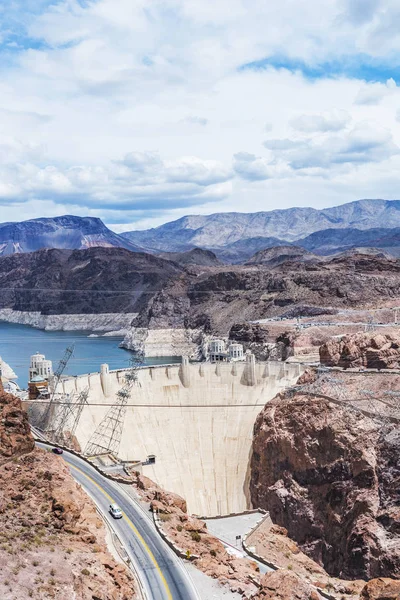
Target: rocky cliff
376, 350
331, 477
213, 299
257, 338
51, 539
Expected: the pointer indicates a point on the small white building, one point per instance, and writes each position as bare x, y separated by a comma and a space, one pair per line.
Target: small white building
217, 352
236, 352
40, 367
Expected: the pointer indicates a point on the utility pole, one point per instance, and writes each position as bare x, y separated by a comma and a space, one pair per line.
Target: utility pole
107, 437
44, 421
67, 418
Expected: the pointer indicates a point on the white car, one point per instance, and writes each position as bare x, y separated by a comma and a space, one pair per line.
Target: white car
115, 511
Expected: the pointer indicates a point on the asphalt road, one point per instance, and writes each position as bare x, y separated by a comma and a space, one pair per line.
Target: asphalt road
160, 570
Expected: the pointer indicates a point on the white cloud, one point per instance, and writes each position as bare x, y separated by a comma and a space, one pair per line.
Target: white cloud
112, 78
361, 144
374, 93
332, 121
140, 179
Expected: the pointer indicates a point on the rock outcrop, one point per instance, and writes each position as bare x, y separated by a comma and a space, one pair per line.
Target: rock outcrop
381, 589
52, 543
331, 477
15, 432
369, 350
283, 585
256, 338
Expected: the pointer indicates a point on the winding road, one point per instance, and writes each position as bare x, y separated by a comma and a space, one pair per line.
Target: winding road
161, 572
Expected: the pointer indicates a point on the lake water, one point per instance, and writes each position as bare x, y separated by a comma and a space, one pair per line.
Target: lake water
19, 342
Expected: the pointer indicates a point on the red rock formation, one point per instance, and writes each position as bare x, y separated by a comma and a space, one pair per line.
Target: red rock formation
332, 478
283, 585
51, 539
15, 433
370, 350
381, 589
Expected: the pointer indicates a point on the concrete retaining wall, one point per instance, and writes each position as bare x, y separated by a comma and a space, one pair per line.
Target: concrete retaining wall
197, 419
171, 543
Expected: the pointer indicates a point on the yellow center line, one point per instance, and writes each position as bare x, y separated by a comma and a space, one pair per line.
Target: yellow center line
134, 529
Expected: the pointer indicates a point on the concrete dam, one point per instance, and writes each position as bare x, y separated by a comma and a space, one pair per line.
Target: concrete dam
197, 419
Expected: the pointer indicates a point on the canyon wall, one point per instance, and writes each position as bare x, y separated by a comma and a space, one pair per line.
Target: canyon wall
331, 477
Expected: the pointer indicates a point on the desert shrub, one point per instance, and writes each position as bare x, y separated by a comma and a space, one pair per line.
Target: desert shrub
196, 537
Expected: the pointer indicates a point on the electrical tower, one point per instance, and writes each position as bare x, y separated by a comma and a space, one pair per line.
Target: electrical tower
370, 325
67, 417
332, 387
44, 421
107, 437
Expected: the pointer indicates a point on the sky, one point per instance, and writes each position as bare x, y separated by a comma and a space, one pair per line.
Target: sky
140, 112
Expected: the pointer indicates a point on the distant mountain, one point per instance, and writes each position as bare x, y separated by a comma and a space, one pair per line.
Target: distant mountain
220, 230
273, 257
59, 232
331, 241
238, 252
197, 256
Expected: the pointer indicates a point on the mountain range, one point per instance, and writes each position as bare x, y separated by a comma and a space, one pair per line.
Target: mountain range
237, 236
232, 237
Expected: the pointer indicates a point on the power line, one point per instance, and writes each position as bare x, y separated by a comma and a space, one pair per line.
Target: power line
155, 405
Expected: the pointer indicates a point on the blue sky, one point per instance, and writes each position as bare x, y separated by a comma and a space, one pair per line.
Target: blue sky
358, 66
141, 112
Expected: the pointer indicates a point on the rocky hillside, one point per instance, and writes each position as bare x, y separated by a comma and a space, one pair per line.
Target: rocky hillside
221, 230
197, 256
168, 295
58, 232
51, 539
213, 300
97, 280
273, 257
376, 350
331, 477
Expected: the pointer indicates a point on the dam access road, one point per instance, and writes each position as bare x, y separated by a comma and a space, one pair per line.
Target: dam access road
161, 572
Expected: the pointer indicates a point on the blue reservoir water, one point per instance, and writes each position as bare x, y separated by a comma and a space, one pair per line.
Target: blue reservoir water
19, 342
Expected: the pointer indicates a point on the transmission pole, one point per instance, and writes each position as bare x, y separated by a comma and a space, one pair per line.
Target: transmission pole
107, 437
67, 418
44, 421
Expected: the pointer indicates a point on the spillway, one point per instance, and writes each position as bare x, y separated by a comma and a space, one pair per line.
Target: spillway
197, 419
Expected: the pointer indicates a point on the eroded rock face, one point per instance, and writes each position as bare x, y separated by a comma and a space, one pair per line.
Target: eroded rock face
370, 350
15, 432
381, 589
332, 478
256, 338
283, 585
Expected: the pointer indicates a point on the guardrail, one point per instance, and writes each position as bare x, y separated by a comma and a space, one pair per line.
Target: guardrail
178, 551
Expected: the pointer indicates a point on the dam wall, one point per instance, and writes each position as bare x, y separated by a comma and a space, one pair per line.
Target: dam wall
197, 419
